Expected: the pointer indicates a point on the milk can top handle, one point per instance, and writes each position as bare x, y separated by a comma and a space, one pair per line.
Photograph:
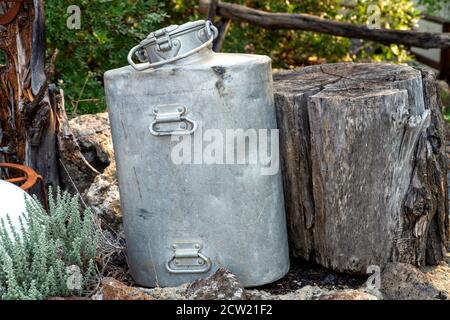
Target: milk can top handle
145, 66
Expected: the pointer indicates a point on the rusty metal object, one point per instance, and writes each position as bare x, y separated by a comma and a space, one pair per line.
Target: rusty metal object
12, 12
28, 179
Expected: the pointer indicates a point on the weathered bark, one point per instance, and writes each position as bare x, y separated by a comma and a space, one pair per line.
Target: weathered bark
34, 128
27, 120
364, 165
308, 22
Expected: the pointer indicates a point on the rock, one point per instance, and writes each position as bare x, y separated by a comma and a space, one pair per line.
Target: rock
93, 134
443, 295
349, 295
176, 293
314, 293
222, 285
74, 298
104, 199
220, 288
330, 279
305, 293
439, 277
401, 281
116, 290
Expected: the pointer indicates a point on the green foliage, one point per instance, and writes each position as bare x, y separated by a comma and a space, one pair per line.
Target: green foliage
293, 48
434, 6
34, 260
109, 28
2, 57
445, 95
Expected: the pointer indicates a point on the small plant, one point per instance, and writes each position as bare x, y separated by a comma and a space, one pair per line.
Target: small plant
52, 254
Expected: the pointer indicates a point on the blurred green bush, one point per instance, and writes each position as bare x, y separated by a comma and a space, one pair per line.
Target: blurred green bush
434, 6
109, 28
445, 97
296, 48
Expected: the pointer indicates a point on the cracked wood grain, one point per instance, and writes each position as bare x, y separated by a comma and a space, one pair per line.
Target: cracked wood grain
364, 165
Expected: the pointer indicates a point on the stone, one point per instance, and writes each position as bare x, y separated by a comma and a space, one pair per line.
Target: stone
222, 285
349, 295
401, 281
305, 293
104, 199
74, 298
439, 277
93, 134
315, 293
116, 290
113, 289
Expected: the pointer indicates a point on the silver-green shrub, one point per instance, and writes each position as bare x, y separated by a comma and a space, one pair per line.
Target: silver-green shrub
35, 261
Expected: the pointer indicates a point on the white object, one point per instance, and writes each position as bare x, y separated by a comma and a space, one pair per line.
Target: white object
12, 202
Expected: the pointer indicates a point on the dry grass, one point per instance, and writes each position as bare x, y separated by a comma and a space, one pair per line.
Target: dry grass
111, 258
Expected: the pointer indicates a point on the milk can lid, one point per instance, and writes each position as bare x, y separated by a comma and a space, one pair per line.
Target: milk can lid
174, 30
173, 43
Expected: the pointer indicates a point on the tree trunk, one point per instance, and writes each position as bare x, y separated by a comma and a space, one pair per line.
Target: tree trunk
362, 149
27, 120
34, 129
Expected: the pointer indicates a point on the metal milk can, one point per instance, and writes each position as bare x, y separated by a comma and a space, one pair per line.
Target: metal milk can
192, 130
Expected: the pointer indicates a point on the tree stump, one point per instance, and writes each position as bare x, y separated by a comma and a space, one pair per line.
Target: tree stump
27, 118
362, 148
33, 125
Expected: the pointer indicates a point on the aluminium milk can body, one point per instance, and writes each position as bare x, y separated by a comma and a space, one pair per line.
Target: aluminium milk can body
185, 220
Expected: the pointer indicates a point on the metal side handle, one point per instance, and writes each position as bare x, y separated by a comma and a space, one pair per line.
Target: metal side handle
175, 115
187, 258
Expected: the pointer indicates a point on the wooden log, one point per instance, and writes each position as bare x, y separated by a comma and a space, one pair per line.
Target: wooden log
308, 22
211, 10
208, 9
362, 148
222, 26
